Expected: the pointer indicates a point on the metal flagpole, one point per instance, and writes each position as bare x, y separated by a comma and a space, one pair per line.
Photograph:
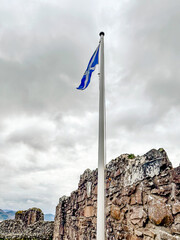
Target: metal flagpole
101, 148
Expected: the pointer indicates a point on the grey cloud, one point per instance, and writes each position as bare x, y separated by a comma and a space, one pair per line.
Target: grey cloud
35, 138
38, 62
151, 35
45, 46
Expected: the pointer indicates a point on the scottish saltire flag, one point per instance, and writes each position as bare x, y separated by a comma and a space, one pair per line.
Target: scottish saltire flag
90, 68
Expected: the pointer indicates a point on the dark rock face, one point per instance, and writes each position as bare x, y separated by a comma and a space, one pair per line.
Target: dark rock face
27, 225
142, 201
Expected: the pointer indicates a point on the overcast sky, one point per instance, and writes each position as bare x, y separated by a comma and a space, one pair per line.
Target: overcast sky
48, 129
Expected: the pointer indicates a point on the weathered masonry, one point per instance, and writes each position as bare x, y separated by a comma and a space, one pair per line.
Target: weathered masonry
142, 199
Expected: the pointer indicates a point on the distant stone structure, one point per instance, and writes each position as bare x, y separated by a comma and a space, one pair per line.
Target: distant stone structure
27, 224
30, 216
142, 199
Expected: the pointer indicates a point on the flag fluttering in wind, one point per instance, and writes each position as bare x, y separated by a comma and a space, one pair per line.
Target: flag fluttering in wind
90, 68
101, 230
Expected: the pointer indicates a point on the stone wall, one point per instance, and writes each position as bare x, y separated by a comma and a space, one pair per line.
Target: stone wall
27, 224
142, 201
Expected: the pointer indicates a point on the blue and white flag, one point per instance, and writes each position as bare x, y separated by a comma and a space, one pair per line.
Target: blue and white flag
90, 68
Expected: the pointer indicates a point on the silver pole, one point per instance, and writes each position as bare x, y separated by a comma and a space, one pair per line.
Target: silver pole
101, 149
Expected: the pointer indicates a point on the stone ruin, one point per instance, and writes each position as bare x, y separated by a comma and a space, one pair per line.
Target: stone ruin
27, 224
30, 216
142, 201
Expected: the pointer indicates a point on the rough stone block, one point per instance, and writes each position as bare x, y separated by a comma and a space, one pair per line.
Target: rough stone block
149, 233
159, 212
133, 200
138, 233
166, 236
117, 173
176, 228
115, 212
175, 175
121, 201
138, 216
133, 237
138, 196
162, 190
176, 207
88, 211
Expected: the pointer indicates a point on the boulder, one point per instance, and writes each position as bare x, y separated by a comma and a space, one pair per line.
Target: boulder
159, 212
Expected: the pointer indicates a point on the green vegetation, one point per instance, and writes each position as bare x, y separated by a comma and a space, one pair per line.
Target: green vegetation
161, 149
20, 212
30, 209
131, 156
